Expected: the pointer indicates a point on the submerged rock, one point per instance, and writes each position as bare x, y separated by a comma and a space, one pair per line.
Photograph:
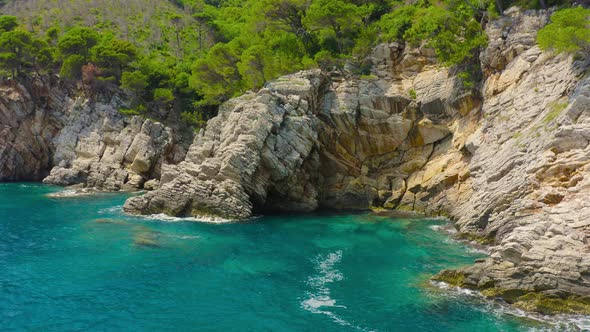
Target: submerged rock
147, 239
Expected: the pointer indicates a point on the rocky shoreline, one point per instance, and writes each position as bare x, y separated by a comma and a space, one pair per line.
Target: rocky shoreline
506, 160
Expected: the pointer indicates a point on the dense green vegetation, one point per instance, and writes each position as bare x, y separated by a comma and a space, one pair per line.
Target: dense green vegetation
193, 54
569, 31
145, 46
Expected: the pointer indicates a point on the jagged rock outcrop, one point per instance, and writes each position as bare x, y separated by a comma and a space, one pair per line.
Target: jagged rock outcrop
259, 151
100, 149
306, 141
509, 164
47, 135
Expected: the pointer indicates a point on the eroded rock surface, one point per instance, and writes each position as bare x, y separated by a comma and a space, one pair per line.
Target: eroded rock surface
307, 141
527, 190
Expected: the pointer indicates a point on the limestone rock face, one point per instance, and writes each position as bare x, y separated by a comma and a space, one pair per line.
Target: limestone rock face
100, 149
525, 174
509, 36
258, 152
306, 141
46, 135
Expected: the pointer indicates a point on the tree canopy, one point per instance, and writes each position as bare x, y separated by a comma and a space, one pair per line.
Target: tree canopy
194, 54
569, 31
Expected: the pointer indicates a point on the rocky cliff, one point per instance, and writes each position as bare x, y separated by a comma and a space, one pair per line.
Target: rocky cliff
308, 140
48, 134
507, 159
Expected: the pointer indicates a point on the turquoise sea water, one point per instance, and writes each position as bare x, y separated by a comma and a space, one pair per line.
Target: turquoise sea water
80, 264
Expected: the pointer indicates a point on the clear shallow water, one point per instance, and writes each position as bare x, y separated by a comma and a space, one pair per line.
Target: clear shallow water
61, 269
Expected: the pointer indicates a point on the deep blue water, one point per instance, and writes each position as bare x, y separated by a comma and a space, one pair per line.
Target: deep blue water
62, 269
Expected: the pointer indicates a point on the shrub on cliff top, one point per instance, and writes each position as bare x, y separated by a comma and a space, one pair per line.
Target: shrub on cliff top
569, 31
8, 23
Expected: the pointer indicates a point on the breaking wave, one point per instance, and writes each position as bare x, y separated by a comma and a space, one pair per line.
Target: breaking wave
205, 219
117, 209
318, 300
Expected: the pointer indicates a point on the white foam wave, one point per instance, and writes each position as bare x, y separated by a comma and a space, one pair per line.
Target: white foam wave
313, 305
319, 299
66, 194
72, 193
469, 246
27, 185
184, 237
205, 219
451, 241
111, 210
553, 323
447, 228
439, 218
327, 273
458, 290
475, 250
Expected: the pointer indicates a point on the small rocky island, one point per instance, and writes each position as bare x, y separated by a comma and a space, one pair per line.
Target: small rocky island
507, 160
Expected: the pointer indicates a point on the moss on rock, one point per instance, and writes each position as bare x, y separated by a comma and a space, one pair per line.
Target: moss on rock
550, 305
451, 277
508, 295
484, 240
